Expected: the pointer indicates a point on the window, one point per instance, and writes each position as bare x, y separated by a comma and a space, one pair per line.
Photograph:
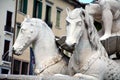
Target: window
4, 70
22, 5
58, 15
18, 29
20, 67
24, 68
48, 13
6, 50
8, 21
48, 16
58, 19
37, 11
16, 69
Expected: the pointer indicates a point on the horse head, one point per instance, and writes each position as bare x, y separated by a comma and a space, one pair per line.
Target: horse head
78, 20
75, 25
27, 34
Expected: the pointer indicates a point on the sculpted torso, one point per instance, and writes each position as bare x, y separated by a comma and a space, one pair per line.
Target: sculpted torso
108, 13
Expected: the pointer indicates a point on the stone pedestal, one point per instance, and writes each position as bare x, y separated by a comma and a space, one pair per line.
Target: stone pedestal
112, 45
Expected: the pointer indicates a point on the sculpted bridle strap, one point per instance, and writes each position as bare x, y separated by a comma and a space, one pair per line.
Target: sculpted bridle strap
51, 62
89, 62
61, 45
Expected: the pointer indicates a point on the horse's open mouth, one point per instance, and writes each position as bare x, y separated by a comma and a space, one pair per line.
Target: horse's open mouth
18, 51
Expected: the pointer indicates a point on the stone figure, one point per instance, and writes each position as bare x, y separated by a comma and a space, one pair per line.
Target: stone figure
48, 59
108, 13
89, 60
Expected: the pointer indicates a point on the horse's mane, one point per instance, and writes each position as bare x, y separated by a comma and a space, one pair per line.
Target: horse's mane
43, 27
92, 33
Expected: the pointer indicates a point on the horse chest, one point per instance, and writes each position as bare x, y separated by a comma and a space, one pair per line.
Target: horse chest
82, 65
74, 64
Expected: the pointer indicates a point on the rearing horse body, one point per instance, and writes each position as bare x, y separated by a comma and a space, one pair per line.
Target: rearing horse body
48, 59
89, 60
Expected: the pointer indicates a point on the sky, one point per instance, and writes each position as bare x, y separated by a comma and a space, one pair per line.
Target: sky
86, 1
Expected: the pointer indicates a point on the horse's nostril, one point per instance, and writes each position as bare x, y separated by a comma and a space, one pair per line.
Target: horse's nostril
69, 48
73, 46
13, 50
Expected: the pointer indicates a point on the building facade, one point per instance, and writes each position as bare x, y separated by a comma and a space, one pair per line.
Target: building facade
53, 12
7, 18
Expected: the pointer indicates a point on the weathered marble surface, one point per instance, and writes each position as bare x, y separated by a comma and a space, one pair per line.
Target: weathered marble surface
89, 60
48, 59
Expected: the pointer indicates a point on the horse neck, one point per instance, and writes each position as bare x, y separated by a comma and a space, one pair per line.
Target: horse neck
44, 46
83, 49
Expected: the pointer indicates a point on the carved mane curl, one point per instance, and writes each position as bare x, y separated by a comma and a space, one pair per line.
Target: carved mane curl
92, 33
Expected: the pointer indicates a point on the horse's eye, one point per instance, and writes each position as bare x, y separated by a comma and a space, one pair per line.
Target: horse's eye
22, 30
79, 23
67, 23
32, 24
31, 31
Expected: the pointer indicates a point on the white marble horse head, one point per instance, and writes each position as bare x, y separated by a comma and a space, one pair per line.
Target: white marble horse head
75, 25
48, 60
27, 34
79, 21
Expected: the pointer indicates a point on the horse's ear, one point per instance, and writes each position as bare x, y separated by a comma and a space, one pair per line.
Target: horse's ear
82, 12
68, 10
27, 17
